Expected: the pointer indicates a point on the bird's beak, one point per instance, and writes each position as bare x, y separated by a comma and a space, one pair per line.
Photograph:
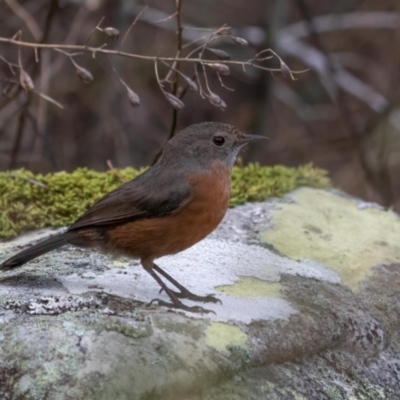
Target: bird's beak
246, 138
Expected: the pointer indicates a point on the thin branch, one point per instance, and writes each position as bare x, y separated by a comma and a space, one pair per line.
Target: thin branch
30, 22
195, 28
167, 18
58, 47
94, 29
223, 85
206, 79
203, 47
117, 174
19, 33
30, 180
196, 72
185, 46
132, 96
69, 54
10, 64
49, 99
116, 73
174, 69
176, 64
132, 25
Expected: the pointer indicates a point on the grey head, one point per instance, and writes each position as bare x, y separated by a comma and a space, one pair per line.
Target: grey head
205, 143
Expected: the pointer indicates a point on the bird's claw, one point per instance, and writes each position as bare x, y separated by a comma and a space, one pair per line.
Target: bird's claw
186, 294
180, 306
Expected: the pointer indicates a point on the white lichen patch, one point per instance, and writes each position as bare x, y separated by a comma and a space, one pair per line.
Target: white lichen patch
202, 269
334, 230
207, 266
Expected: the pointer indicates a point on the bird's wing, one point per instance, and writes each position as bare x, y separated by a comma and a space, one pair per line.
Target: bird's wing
152, 194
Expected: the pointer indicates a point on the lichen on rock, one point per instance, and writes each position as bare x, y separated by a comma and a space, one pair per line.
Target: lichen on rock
301, 317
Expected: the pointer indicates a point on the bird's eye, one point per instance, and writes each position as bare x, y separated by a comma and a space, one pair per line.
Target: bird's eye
218, 140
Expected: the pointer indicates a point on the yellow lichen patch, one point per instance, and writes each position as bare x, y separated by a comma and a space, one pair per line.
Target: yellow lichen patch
252, 287
220, 335
331, 229
120, 263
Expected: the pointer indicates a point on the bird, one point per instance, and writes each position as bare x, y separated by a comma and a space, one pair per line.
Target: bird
168, 208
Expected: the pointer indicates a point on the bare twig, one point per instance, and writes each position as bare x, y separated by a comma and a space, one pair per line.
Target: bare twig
167, 18
223, 85
205, 78
132, 96
132, 25
85, 75
117, 174
27, 83
94, 29
10, 64
177, 64
175, 102
30, 180
49, 99
191, 85
186, 45
196, 28
58, 47
26, 17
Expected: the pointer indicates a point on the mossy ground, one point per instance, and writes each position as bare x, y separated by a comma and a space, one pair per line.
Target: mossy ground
29, 201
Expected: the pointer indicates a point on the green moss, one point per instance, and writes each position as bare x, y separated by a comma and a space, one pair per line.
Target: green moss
62, 197
256, 183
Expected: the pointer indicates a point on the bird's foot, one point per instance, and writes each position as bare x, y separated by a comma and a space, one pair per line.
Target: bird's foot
186, 294
182, 292
176, 304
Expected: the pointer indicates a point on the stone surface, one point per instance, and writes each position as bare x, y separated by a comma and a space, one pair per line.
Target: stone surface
310, 309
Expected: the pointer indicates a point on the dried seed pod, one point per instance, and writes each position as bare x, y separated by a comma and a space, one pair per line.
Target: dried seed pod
221, 54
84, 74
216, 101
26, 81
221, 68
178, 104
285, 70
222, 105
192, 86
225, 31
239, 40
132, 97
111, 32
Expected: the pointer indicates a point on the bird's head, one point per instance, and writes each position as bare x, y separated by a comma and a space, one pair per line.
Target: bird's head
208, 142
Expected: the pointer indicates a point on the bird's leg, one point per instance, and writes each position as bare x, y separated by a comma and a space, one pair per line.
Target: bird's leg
183, 292
175, 302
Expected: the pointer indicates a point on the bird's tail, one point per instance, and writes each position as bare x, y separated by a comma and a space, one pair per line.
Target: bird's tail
49, 244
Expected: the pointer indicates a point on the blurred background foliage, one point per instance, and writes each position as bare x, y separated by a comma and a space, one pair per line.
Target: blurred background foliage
342, 114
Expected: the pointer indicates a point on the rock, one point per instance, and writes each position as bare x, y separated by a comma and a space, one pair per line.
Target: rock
310, 287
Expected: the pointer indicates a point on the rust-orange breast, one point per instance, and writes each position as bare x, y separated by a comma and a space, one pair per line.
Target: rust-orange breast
156, 237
